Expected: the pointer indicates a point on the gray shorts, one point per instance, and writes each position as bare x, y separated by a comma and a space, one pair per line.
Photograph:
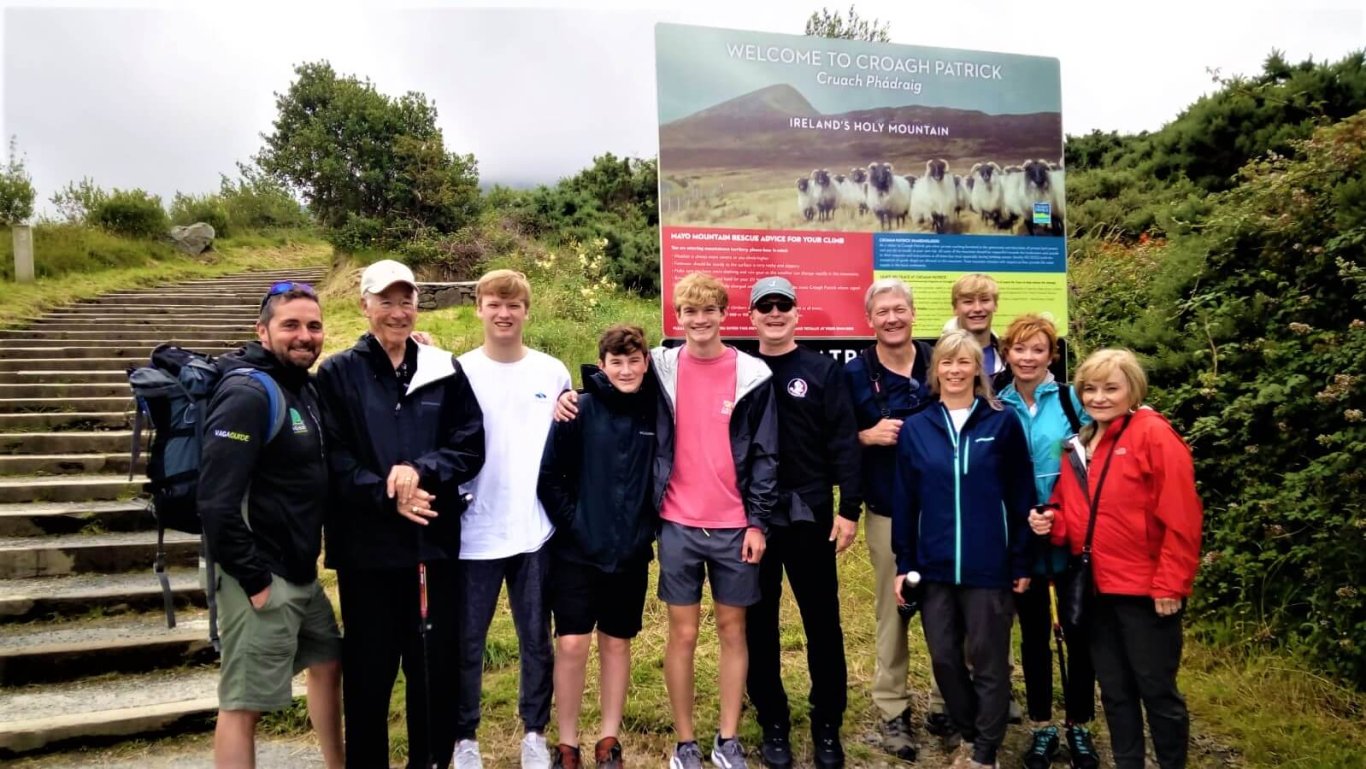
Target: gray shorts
264, 648
685, 553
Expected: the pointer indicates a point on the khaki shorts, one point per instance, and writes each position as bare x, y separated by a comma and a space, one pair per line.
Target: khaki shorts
264, 649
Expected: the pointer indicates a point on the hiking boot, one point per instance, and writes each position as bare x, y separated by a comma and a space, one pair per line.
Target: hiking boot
535, 753
896, 737
938, 724
1080, 747
826, 750
1043, 749
686, 756
566, 757
467, 755
607, 753
728, 754
776, 751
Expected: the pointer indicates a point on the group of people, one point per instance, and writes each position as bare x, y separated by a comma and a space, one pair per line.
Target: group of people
439, 478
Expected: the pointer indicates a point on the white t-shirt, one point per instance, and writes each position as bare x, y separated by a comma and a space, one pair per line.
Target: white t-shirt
518, 399
959, 417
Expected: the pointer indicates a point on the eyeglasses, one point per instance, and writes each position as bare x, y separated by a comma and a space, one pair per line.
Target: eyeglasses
766, 306
284, 287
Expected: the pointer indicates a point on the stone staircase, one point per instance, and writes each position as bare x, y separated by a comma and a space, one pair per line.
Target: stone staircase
85, 654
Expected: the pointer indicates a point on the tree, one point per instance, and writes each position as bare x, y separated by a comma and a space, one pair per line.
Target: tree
827, 23
372, 168
77, 200
16, 188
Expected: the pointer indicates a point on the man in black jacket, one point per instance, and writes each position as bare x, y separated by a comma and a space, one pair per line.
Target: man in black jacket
404, 431
595, 485
261, 494
817, 450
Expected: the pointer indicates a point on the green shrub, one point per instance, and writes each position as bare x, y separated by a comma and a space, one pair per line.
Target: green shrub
16, 189
254, 201
209, 209
135, 213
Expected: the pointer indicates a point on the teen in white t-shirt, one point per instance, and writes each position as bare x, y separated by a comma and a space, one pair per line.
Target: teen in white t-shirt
505, 530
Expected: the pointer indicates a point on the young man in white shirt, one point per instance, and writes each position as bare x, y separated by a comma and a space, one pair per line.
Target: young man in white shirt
505, 531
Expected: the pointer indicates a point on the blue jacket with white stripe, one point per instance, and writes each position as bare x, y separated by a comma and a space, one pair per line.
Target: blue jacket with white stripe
963, 497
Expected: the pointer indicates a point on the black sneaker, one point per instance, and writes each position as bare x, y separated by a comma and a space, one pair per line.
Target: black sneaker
896, 737
826, 750
1043, 749
776, 750
1081, 748
938, 724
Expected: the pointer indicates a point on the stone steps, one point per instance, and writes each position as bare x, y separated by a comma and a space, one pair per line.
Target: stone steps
69, 464
84, 651
64, 555
73, 649
106, 442
24, 600
37, 519
35, 717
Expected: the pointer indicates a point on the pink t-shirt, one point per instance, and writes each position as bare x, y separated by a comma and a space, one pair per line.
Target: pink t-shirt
703, 492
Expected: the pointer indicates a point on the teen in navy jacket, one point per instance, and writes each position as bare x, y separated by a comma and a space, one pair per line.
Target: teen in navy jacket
965, 484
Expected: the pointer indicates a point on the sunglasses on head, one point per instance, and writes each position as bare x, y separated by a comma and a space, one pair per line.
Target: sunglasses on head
284, 287
766, 305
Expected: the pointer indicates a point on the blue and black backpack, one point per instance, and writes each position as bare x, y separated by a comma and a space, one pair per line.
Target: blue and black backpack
172, 396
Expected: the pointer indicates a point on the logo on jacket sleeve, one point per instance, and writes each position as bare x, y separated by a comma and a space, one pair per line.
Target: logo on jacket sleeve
797, 388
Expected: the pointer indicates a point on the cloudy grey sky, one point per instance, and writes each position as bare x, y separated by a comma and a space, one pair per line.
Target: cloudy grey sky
165, 96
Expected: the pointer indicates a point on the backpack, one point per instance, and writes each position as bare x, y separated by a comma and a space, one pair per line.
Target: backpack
172, 395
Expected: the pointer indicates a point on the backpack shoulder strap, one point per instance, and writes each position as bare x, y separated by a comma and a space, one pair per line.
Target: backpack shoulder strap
1069, 408
875, 371
276, 397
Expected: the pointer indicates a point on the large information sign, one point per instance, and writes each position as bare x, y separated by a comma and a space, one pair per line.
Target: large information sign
836, 162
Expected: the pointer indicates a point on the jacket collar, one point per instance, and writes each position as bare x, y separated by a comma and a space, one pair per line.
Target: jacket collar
750, 372
432, 364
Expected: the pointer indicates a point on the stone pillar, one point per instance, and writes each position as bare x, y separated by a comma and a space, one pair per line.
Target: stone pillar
23, 253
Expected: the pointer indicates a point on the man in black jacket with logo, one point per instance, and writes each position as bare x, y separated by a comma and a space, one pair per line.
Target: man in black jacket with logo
261, 495
817, 450
404, 431
595, 485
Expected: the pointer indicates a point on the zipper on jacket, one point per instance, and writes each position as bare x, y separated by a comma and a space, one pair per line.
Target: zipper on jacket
959, 471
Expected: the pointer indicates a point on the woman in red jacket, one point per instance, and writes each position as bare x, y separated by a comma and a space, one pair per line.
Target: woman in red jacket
1145, 550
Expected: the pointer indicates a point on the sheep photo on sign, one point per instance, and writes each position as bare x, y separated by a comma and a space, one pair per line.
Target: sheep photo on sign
850, 159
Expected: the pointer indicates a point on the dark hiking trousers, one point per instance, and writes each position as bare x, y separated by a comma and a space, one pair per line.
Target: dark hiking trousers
1036, 657
971, 626
1137, 654
381, 631
806, 552
526, 578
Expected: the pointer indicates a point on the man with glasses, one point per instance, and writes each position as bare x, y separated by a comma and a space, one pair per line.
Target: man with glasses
404, 431
817, 449
261, 496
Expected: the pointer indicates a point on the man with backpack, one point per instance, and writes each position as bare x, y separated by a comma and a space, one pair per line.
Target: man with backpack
404, 430
262, 490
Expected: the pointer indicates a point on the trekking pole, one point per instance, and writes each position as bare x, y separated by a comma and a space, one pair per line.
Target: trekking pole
424, 628
1058, 634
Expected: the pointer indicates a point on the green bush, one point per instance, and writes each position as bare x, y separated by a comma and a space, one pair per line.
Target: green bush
254, 201
135, 213
1254, 331
16, 189
209, 209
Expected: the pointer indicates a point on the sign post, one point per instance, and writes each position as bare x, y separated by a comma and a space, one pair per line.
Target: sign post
23, 253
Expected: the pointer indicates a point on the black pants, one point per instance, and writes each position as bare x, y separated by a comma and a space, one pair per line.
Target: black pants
526, 577
967, 625
381, 631
805, 550
1137, 654
1036, 657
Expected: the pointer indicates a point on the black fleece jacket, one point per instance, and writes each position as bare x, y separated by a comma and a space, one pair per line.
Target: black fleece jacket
284, 479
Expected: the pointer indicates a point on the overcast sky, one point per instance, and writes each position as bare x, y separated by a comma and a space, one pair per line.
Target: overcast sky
166, 96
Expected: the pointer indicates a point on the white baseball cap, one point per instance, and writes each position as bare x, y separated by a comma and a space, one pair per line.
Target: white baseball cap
383, 274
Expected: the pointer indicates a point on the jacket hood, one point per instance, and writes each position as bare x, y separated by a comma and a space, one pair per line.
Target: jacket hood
433, 363
254, 355
597, 384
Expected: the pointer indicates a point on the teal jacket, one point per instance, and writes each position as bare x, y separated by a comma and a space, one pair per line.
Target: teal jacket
1046, 430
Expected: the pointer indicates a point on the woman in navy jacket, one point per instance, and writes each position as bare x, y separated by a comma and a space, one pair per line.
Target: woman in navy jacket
965, 484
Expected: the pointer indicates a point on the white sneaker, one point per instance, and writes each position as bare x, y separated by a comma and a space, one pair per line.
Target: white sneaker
535, 753
467, 755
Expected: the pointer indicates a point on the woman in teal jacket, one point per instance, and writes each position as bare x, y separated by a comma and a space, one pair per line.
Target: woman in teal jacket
964, 487
1050, 413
